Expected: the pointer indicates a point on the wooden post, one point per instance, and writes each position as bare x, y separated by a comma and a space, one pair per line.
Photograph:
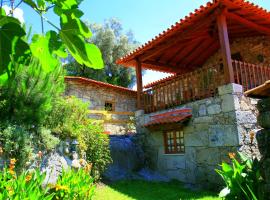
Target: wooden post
225, 47
139, 84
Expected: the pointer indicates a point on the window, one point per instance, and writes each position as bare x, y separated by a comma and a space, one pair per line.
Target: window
109, 106
174, 142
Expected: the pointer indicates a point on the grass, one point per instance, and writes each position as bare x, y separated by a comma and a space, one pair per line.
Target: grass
142, 190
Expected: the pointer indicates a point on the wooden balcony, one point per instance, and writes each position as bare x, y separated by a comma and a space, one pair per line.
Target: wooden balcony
200, 84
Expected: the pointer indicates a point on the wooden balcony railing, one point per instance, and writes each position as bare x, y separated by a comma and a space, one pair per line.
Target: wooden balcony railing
201, 83
250, 75
184, 88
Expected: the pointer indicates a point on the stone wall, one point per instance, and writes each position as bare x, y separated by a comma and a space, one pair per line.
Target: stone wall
97, 96
250, 48
217, 127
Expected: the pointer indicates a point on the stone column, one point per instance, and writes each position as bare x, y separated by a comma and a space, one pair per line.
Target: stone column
263, 138
140, 120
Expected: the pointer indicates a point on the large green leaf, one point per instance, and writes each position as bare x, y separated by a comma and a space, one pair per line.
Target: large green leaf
66, 4
48, 48
12, 45
6, 19
84, 53
73, 34
70, 21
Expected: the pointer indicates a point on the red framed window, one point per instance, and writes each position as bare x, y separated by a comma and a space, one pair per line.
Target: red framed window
174, 142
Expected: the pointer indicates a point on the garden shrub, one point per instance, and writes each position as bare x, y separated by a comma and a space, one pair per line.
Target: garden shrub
49, 141
15, 142
95, 144
242, 178
69, 120
67, 117
26, 96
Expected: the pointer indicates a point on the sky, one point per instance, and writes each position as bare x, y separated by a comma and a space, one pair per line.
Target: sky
146, 18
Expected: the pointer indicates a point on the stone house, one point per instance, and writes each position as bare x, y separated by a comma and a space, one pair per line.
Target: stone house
195, 117
111, 104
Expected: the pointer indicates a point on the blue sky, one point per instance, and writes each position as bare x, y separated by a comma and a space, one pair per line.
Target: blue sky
146, 18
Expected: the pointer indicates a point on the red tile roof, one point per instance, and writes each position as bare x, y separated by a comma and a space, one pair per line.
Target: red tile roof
83, 80
176, 116
149, 85
239, 7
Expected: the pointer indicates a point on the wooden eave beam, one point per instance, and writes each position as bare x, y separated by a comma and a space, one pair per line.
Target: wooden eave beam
248, 23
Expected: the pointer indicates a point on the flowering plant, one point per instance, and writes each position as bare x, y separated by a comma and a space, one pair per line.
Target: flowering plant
74, 185
242, 178
27, 185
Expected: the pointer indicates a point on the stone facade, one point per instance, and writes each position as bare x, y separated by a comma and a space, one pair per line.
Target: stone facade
119, 120
255, 50
219, 125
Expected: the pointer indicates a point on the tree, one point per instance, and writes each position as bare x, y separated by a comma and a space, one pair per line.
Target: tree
113, 43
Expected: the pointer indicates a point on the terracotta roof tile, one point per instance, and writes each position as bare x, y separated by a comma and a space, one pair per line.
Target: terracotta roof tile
149, 85
185, 22
99, 83
176, 116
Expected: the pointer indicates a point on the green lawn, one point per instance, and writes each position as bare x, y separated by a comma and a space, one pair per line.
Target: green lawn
142, 190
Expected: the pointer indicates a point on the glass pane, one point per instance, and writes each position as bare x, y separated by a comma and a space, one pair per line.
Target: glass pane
181, 134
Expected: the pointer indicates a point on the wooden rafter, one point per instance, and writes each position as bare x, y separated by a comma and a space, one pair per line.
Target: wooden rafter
183, 36
188, 51
207, 53
179, 52
248, 23
197, 51
163, 47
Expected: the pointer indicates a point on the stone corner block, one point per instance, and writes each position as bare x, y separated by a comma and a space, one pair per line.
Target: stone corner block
230, 103
230, 89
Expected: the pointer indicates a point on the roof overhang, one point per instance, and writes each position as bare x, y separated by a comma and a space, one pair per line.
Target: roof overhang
171, 117
261, 91
191, 41
87, 81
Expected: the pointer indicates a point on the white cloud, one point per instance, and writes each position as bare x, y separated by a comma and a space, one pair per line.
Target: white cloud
17, 13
